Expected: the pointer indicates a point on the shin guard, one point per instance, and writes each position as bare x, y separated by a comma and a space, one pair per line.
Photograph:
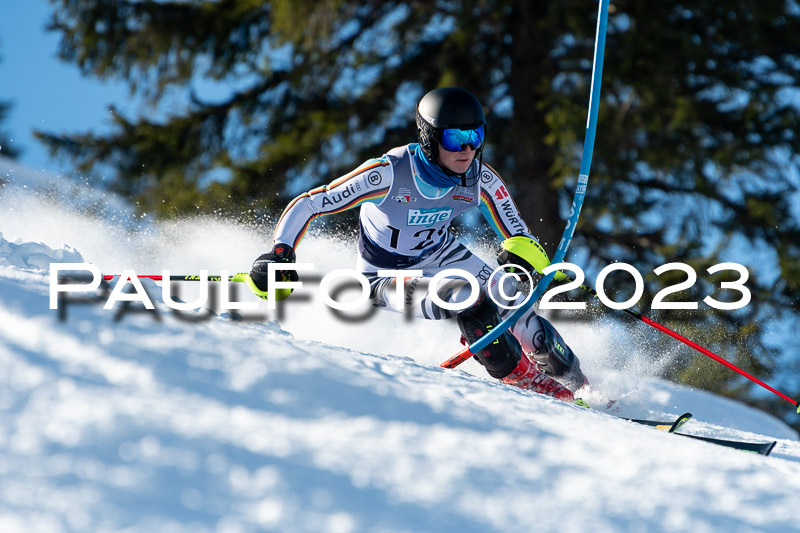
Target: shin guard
500, 357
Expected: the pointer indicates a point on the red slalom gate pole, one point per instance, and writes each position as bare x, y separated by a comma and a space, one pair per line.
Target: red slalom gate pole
702, 350
191, 277
716, 358
241, 277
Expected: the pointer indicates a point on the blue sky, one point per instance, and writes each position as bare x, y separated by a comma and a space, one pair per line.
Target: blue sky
46, 93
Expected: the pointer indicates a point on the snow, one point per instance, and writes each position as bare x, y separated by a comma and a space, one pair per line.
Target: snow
302, 420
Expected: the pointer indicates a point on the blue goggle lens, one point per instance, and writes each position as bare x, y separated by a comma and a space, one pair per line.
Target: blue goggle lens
454, 139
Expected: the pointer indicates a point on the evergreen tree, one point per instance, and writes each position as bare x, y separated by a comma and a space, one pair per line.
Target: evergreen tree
6, 148
696, 150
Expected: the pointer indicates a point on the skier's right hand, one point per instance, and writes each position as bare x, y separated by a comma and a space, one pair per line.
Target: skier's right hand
281, 253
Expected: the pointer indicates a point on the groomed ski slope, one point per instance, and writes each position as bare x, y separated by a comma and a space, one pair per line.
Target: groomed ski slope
146, 421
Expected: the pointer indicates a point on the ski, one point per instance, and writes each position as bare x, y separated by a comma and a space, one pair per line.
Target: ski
761, 448
668, 426
753, 447
672, 427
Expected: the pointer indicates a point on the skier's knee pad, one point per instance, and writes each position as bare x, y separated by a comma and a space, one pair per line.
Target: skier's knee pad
552, 354
501, 356
452, 291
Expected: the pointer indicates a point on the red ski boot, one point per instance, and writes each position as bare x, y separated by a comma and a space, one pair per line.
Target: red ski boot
527, 375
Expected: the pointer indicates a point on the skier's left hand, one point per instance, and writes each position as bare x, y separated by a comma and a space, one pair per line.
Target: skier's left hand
525, 252
504, 257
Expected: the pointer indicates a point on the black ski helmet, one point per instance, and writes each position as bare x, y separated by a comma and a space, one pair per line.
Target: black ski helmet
448, 107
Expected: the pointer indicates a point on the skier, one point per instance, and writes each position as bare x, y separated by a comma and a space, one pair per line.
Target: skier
408, 198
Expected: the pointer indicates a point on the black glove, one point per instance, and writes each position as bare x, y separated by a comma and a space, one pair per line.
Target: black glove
281, 253
504, 257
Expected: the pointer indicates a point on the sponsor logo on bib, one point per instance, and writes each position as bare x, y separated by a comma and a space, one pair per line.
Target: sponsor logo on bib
404, 198
428, 217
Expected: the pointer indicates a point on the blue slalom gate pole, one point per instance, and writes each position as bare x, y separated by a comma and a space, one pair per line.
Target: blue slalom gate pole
577, 200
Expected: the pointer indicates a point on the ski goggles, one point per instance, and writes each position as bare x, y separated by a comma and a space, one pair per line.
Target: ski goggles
454, 139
